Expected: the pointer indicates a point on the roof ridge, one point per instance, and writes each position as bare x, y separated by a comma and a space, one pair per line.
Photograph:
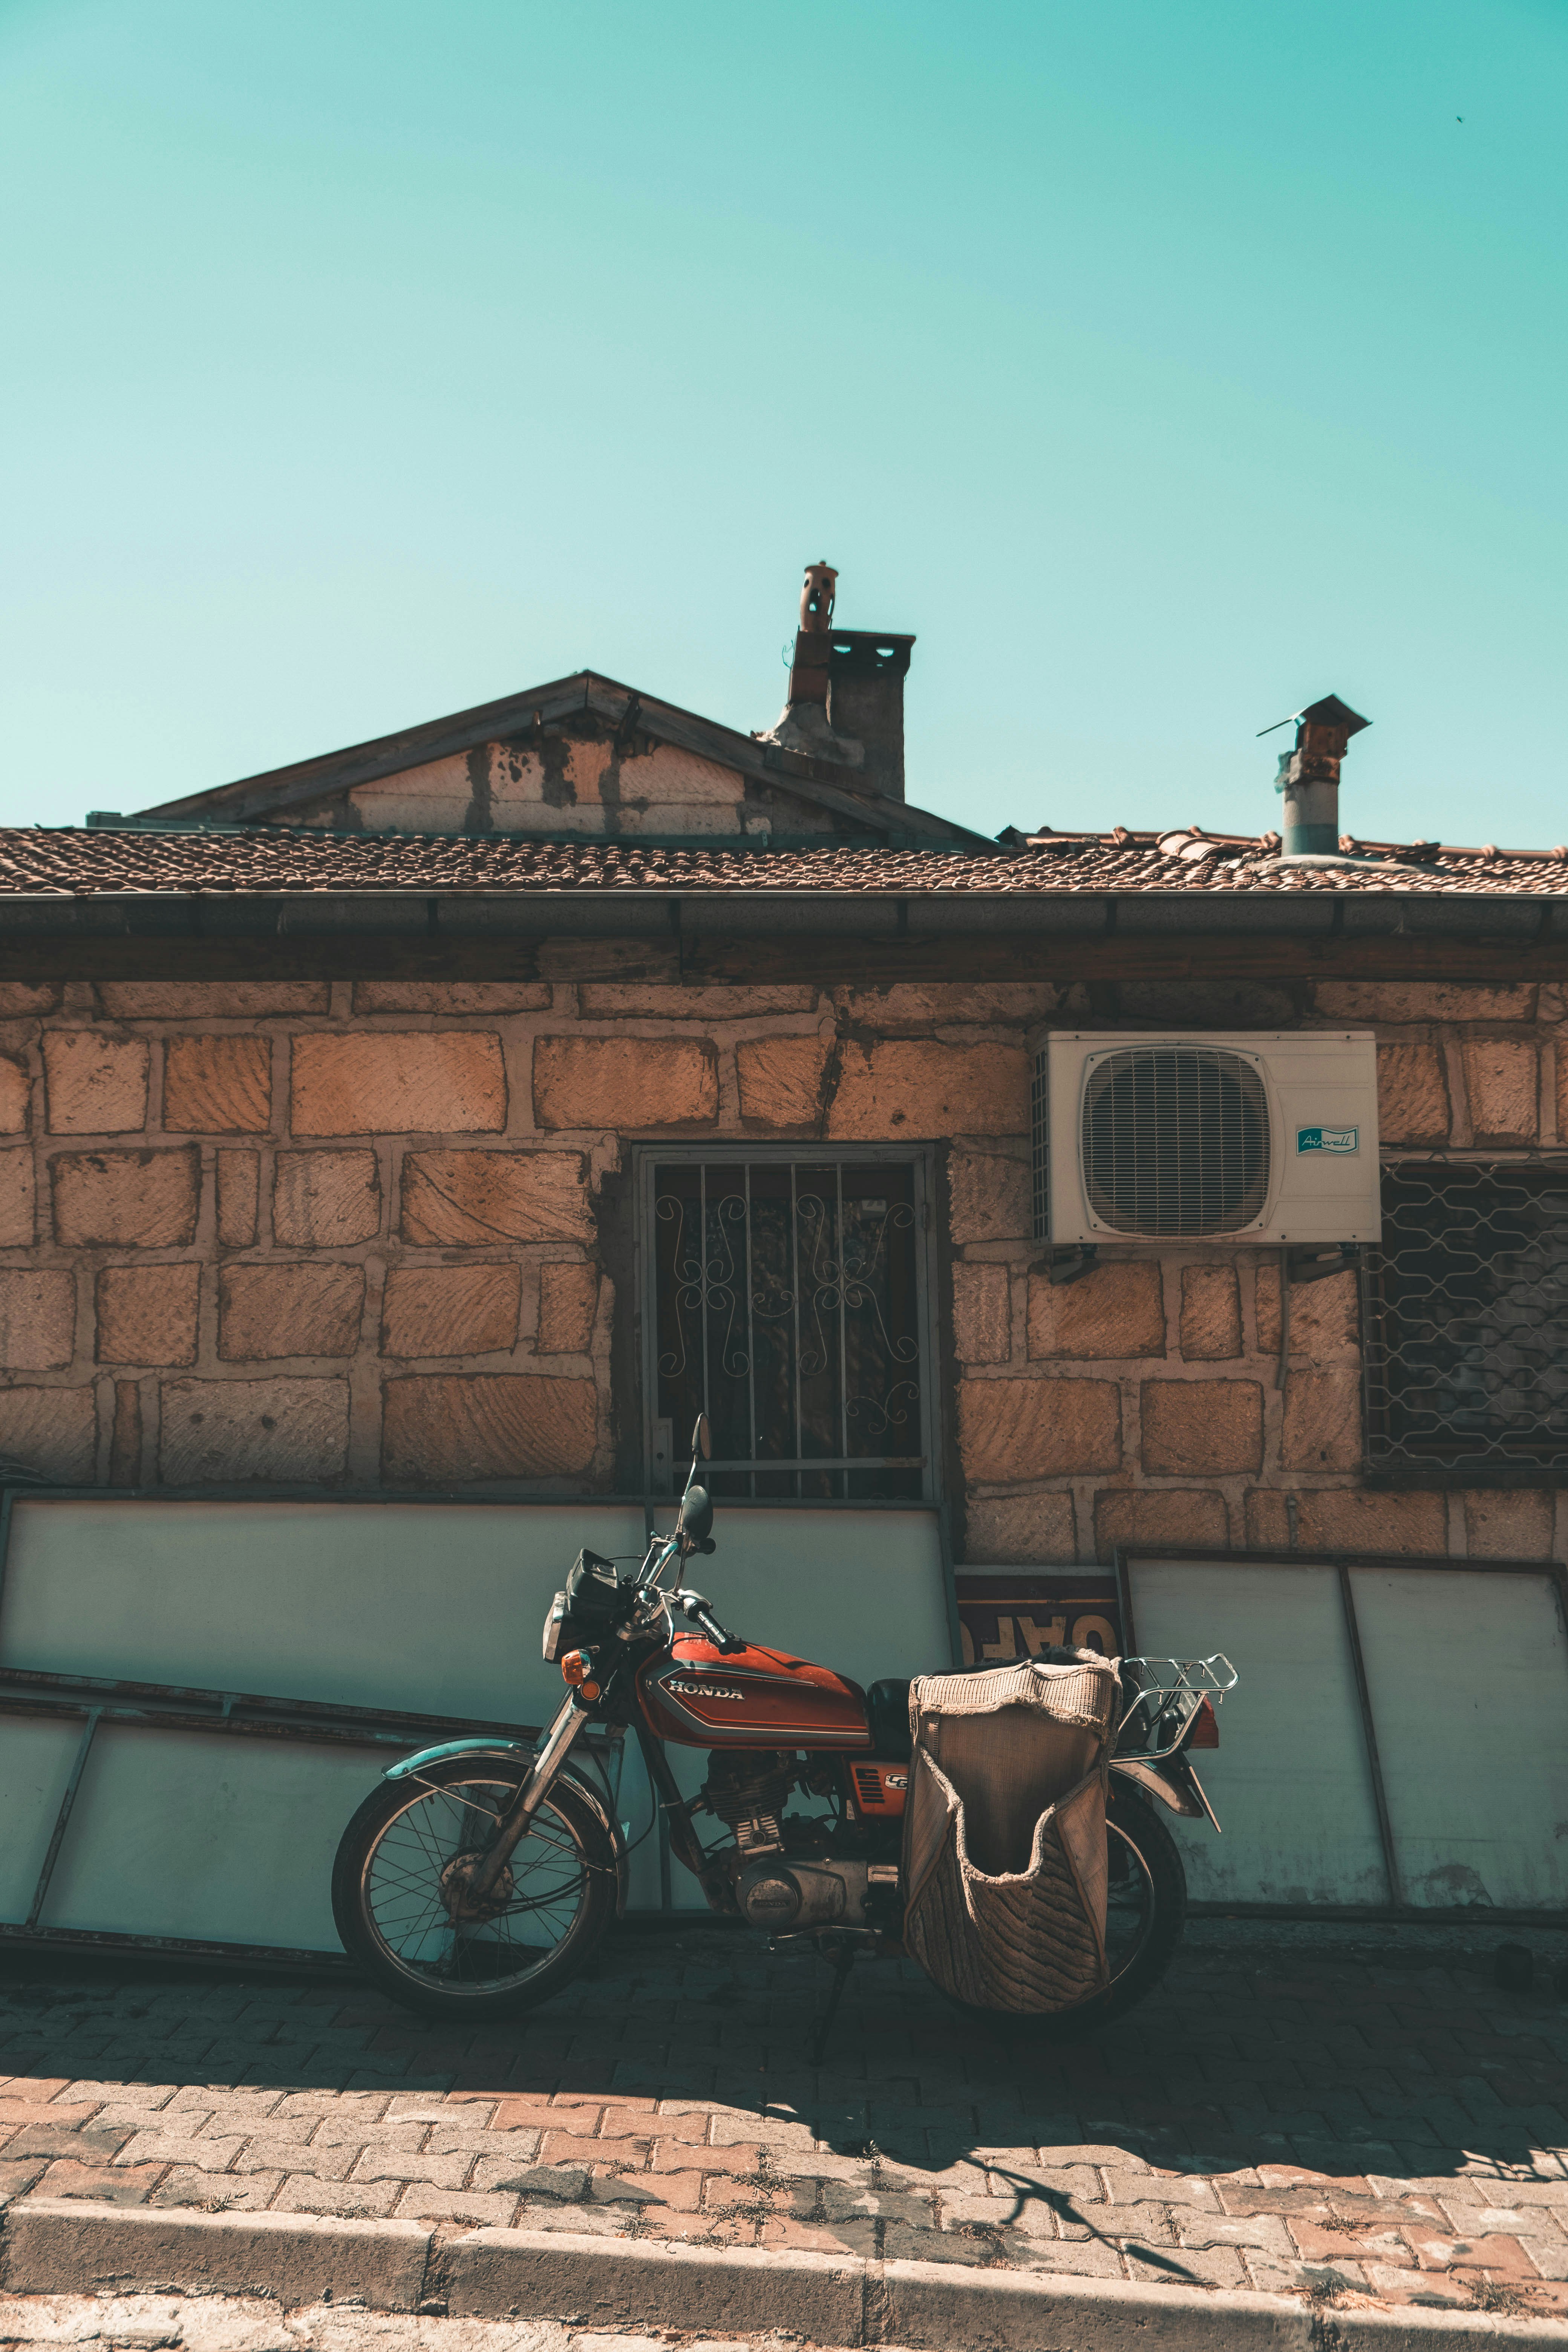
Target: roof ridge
584, 693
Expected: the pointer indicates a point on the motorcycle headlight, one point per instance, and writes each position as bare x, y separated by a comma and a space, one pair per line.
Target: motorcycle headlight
553, 1623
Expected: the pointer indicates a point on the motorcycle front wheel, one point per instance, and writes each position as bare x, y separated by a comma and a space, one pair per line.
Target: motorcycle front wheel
1146, 1909
550, 1908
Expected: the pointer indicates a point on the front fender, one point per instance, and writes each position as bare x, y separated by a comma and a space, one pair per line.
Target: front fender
515, 1751
409, 1766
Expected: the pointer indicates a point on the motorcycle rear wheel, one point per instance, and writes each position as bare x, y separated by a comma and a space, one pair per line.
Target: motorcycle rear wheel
554, 1901
1145, 1913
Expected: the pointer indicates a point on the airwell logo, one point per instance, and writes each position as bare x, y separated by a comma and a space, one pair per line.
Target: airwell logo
1328, 1138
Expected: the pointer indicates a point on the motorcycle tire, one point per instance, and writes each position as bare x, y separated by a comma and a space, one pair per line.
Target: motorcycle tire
387, 1902
1131, 1818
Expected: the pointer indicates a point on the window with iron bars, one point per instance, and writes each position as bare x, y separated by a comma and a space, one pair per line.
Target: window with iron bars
1465, 1321
788, 1304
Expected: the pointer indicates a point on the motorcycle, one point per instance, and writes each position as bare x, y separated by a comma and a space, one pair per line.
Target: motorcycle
478, 1879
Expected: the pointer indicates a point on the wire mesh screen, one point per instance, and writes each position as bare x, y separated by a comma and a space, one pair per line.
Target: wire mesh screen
1176, 1141
787, 1310
1466, 1320
1040, 1126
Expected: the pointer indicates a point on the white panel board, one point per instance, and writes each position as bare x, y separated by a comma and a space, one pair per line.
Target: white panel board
862, 1591
434, 1608
635, 1806
1468, 1673
1289, 1780
35, 1759
202, 1834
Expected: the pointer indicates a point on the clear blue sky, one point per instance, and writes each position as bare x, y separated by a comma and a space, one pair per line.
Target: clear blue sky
1162, 365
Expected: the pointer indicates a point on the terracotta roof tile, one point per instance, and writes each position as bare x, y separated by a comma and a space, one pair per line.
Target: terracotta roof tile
268, 859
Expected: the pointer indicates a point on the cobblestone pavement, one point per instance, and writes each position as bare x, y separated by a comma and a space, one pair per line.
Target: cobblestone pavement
174, 2323
1362, 2115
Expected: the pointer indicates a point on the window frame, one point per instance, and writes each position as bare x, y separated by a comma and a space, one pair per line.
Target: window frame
920, 1159
1435, 1471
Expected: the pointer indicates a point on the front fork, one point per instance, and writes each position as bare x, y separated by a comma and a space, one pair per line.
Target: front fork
482, 1875
471, 1887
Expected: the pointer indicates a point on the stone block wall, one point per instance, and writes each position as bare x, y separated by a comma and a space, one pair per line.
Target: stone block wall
333, 1234
349, 1234
294, 1234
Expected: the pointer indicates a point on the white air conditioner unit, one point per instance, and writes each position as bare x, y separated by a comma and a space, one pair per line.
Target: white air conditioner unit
1151, 1138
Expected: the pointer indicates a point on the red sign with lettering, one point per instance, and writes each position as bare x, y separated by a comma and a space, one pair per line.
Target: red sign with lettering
1003, 1618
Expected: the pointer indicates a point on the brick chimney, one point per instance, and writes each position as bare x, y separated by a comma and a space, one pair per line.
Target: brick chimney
846, 691
1310, 777
866, 673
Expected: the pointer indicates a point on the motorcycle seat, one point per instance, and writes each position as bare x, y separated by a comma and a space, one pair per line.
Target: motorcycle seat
887, 1705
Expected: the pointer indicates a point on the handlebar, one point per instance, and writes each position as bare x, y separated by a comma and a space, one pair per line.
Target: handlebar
699, 1612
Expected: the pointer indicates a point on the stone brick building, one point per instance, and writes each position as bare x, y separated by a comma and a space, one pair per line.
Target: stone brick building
361, 1121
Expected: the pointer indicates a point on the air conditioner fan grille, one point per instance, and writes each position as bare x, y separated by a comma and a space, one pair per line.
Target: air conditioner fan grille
1175, 1141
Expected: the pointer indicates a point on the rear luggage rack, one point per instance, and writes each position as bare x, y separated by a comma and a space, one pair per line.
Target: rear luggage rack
1162, 1696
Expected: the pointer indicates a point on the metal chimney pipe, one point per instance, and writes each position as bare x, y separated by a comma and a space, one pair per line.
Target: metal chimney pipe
808, 671
1310, 777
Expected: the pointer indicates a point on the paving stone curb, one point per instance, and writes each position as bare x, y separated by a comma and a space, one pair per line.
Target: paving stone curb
63, 2245
66, 2245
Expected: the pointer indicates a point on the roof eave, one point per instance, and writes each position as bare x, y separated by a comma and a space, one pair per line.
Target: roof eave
1519, 920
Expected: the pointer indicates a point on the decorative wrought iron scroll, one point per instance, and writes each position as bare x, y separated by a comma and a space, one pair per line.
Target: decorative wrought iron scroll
787, 1310
1466, 1321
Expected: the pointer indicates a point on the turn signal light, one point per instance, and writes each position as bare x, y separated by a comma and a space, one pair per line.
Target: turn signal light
577, 1666
1204, 1732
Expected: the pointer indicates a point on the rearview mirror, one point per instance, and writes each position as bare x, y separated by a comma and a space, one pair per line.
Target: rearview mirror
697, 1515
703, 1439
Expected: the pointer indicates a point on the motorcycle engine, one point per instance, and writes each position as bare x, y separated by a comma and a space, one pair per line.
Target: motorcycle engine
781, 1894
747, 1789
776, 1884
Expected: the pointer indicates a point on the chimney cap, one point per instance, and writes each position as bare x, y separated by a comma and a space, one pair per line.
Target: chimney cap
1332, 712
1328, 712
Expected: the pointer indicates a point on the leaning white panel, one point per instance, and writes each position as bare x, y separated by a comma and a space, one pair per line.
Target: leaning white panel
428, 1607
862, 1591
35, 1760
1289, 1780
208, 1835
431, 1608
1468, 1673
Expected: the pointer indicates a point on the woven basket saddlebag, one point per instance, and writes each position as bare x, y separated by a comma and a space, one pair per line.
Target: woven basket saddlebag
1004, 1863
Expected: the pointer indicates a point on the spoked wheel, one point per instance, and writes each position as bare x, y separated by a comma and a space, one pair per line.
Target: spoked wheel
397, 1902
1146, 1908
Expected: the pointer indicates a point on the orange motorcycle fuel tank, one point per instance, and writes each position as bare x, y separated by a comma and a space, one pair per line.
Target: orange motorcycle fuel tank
697, 1697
